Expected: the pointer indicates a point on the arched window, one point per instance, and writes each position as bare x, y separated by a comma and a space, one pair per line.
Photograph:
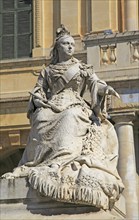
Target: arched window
15, 28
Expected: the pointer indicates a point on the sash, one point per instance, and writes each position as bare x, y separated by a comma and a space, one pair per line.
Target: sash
66, 77
71, 72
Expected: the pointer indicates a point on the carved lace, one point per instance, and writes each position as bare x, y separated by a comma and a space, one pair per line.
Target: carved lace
63, 66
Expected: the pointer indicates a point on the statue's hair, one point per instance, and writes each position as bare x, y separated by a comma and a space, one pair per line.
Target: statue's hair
54, 54
61, 31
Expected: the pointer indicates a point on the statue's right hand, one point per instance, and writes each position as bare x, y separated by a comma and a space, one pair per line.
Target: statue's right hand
39, 103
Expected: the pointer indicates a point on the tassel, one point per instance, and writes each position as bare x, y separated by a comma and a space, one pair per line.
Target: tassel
59, 192
55, 195
67, 193
74, 194
48, 189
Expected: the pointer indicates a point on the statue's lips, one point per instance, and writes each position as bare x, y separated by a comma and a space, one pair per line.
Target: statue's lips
70, 51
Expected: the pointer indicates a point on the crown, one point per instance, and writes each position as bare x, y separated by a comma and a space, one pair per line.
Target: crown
61, 31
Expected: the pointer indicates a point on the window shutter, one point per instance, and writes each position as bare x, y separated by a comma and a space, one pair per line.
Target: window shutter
15, 28
24, 46
7, 35
24, 34
8, 4
24, 3
8, 47
8, 23
23, 22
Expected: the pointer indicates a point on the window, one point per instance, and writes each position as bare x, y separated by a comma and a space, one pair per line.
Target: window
15, 28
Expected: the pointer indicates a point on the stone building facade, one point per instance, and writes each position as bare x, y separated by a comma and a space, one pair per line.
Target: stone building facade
107, 36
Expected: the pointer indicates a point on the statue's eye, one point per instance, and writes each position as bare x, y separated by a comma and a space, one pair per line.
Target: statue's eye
65, 43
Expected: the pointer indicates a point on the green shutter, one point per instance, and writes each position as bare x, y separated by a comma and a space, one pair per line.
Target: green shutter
15, 28
23, 3
7, 47
24, 46
8, 4
8, 23
23, 22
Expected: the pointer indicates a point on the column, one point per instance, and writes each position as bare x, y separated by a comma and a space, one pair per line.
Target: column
127, 166
131, 15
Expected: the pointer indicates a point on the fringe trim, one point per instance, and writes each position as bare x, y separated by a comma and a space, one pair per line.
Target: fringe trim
72, 194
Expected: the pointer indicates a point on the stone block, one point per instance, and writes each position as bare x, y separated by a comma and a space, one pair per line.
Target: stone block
19, 201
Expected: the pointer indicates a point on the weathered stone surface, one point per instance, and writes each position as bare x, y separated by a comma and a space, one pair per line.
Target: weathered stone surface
19, 201
72, 150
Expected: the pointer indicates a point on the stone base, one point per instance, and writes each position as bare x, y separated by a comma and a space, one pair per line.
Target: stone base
21, 202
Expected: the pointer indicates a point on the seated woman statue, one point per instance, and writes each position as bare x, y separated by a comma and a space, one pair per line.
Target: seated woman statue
72, 149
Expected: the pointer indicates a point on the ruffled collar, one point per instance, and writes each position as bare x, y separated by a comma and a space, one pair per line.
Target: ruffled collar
64, 65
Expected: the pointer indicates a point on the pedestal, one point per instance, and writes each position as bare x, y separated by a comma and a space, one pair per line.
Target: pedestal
19, 201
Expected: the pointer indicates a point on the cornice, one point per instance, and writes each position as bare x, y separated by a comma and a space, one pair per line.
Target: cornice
114, 38
22, 63
14, 99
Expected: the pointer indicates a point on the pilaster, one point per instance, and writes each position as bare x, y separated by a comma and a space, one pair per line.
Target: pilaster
37, 28
131, 15
70, 15
104, 15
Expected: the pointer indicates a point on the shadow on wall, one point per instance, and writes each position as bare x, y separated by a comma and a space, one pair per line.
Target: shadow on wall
7, 164
39, 204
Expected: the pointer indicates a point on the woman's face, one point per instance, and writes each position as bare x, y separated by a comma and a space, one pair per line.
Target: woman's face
66, 46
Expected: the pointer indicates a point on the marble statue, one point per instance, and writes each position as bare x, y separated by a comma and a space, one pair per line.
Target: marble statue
72, 149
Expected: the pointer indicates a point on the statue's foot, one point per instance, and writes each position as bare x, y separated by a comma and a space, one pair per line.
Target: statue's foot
8, 175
